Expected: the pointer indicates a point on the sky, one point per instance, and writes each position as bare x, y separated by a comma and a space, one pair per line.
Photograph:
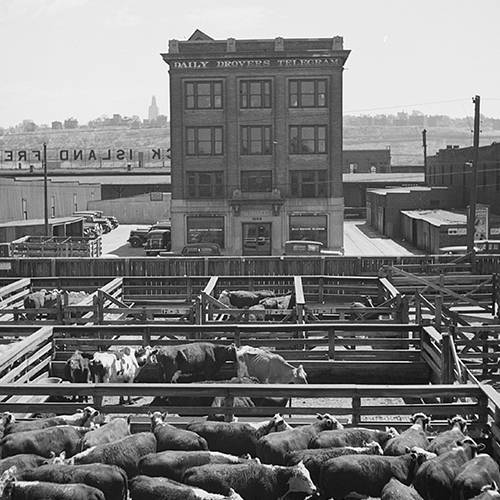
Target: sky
88, 58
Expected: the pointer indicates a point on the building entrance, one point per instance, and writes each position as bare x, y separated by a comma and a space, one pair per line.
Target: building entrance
257, 238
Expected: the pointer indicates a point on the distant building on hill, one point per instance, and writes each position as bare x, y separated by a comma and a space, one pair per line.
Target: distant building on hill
153, 110
57, 125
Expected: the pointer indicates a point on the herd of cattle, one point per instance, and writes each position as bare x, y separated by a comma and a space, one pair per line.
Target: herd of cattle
49, 299
72, 458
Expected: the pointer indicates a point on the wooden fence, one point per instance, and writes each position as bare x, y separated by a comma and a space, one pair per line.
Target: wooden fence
236, 265
56, 246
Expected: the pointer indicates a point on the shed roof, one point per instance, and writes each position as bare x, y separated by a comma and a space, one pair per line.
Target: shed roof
40, 222
437, 217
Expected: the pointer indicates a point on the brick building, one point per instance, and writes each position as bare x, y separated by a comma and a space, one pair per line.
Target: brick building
256, 140
450, 167
374, 161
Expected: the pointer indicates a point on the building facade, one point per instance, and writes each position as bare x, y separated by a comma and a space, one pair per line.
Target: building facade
374, 161
256, 142
451, 167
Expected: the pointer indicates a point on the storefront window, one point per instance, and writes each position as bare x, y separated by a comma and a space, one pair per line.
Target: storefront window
309, 227
205, 229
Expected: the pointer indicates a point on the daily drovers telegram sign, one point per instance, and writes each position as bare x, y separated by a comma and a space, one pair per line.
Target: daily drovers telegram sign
257, 63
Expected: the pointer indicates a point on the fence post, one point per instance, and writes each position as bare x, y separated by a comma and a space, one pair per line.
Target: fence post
446, 360
356, 410
495, 306
229, 408
439, 312
418, 309
331, 343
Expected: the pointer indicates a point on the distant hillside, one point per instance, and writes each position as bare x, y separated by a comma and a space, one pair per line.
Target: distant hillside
405, 141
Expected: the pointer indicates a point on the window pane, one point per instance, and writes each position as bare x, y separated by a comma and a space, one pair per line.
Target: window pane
307, 87
294, 140
307, 133
189, 89
309, 227
190, 102
204, 134
203, 89
255, 101
205, 230
321, 132
307, 100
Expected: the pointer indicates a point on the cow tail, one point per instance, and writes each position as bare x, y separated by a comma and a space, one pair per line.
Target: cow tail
125, 484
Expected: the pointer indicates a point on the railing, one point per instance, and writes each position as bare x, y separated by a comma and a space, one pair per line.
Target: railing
56, 246
237, 265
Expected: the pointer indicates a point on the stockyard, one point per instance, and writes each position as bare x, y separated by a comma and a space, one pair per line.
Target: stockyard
213, 344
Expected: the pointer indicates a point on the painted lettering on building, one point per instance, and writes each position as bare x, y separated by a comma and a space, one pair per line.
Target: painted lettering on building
258, 63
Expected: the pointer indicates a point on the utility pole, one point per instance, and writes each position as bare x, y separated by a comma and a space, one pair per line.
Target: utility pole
45, 195
471, 222
424, 144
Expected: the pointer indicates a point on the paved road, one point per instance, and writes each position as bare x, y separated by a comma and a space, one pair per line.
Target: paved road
362, 239
359, 239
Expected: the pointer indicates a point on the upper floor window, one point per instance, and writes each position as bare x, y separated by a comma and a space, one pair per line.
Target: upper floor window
307, 139
203, 95
256, 140
205, 184
204, 141
256, 181
309, 183
307, 93
255, 94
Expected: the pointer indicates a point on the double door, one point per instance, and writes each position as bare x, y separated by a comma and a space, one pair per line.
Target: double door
256, 238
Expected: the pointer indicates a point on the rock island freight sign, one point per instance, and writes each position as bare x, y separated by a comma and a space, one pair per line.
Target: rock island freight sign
258, 63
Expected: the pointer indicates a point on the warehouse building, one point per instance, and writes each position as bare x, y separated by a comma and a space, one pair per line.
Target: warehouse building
256, 142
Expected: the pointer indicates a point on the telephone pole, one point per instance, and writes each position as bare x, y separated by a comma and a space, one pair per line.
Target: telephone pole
471, 222
45, 194
424, 144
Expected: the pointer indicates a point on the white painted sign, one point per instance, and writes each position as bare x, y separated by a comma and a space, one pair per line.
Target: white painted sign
457, 231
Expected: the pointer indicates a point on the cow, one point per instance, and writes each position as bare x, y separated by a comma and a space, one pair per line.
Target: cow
118, 366
253, 481
114, 430
124, 453
44, 441
41, 299
197, 359
220, 402
111, 480
352, 436
396, 490
37, 490
160, 488
283, 302
76, 369
82, 418
434, 479
447, 440
489, 492
314, 459
173, 464
242, 299
365, 474
169, 437
273, 448
236, 438
415, 435
268, 367
473, 476
21, 462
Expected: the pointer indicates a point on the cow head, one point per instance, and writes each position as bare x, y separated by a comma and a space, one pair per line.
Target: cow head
300, 481
224, 298
374, 447
57, 459
420, 419
7, 418
470, 447
458, 422
143, 355
489, 491
6, 481
97, 370
328, 422
279, 424
299, 375
89, 413
157, 418
420, 454
392, 431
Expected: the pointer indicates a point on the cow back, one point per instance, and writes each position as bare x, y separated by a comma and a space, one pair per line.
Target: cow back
473, 476
114, 430
169, 437
21, 462
36, 490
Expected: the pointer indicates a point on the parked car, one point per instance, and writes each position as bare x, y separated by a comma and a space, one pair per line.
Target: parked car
138, 236
157, 241
195, 250
306, 247
113, 220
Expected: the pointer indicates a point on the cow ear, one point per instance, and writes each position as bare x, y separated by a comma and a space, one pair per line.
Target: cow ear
481, 446
407, 449
459, 443
129, 419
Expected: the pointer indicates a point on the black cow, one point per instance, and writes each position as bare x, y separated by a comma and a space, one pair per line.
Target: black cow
353, 436
124, 453
44, 442
243, 298
40, 300
77, 371
473, 476
197, 359
173, 464
273, 448
160, 488
111, 480
169, 437
415, 435
447, 440
365, 474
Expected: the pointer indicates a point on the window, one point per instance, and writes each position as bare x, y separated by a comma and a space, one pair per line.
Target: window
24, 208
201, 141
309, 183
307, 139
257, 181
255, 94
205, 184
203, 95
307, 93
206, 229
52, 206
256, 140
309, 227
